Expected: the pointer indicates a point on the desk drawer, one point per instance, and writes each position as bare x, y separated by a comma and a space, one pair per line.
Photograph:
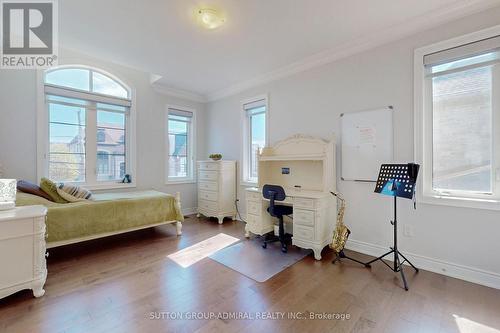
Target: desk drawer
207, 195
304, 203
253, 220
303, 233
208, 175
303, 217
207, 205
208, 166
254, 208
208, 186
254, 196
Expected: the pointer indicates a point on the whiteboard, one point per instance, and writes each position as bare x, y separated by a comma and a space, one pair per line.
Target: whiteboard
367, 141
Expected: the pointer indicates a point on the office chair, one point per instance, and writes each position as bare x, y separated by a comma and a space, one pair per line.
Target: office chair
277, 193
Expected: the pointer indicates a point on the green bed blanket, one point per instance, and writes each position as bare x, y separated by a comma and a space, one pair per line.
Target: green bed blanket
108, 212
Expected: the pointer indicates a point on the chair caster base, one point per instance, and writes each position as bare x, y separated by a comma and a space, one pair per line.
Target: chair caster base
272, 238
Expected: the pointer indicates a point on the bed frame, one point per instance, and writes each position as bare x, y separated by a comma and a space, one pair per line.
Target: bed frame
178, 227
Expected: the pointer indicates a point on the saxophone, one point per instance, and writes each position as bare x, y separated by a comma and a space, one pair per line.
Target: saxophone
341, 232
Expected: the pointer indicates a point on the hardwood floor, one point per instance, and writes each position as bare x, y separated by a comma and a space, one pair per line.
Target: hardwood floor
119, 284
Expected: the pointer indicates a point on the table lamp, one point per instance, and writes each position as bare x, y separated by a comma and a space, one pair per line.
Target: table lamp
8, 189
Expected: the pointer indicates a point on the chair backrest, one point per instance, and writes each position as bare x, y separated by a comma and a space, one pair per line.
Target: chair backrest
275, 192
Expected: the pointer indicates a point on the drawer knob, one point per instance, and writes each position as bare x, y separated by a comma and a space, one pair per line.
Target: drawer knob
46, 254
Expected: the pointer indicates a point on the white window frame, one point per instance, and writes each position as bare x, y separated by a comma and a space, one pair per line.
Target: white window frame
43, 128
423, 132
246, 139
191, 148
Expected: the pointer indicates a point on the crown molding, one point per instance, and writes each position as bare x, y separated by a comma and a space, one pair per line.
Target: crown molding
179, 93
421, 23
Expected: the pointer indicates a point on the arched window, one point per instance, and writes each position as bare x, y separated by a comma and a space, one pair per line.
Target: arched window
85, 79
88, 113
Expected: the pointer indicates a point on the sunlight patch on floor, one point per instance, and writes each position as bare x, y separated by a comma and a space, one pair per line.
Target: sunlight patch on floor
466, 325
194, 253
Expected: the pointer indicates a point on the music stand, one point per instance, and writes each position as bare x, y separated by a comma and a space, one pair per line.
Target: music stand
397, 180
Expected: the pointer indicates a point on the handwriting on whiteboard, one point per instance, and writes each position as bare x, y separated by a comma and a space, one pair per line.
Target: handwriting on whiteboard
367, 135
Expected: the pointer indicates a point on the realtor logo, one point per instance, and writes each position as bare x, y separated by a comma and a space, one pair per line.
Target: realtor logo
29, 33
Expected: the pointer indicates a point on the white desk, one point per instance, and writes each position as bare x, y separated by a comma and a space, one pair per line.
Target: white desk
313, 217
308, 162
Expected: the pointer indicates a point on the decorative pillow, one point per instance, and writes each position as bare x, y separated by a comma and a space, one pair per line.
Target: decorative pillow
73, 193
50, 188
28, 187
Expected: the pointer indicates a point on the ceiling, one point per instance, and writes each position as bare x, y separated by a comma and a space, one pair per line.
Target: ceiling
260, 36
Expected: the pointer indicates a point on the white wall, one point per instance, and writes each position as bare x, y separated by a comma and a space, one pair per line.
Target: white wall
457, 241
18, 125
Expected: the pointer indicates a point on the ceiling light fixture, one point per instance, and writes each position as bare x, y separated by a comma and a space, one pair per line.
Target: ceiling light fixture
210, 18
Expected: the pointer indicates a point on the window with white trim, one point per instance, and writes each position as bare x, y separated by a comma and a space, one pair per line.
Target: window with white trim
180, 161
460, 123
255, 136
88, 120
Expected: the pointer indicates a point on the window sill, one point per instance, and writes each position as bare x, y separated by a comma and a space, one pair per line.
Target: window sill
489, 204
108, 186
180, 182
248, 183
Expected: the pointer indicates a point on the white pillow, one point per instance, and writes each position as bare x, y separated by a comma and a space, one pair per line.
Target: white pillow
73, 193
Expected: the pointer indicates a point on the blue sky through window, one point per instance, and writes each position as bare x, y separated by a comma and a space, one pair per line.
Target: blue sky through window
66, 122
259, 127
111, 119
70, 77
69, 118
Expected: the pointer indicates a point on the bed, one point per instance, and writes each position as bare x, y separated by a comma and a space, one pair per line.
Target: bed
108, 214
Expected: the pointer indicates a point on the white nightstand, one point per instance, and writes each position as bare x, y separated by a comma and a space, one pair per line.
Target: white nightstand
22, 250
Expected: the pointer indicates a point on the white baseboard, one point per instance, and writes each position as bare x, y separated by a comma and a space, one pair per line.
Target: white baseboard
471, 274
189, 211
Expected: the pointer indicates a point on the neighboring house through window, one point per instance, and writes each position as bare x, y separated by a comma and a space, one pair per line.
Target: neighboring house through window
459, 119
180, 142
255, 136
87, 139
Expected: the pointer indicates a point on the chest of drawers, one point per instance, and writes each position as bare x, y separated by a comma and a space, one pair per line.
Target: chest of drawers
217, 189
22, 250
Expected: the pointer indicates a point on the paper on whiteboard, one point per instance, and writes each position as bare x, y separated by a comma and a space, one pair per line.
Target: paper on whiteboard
367, 135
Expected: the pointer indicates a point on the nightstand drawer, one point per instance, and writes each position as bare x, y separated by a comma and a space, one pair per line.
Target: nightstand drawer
208, 175
207, 195
208, 166
208, 186
303, 233
303, 217
15, 228
207, 205
254, 208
